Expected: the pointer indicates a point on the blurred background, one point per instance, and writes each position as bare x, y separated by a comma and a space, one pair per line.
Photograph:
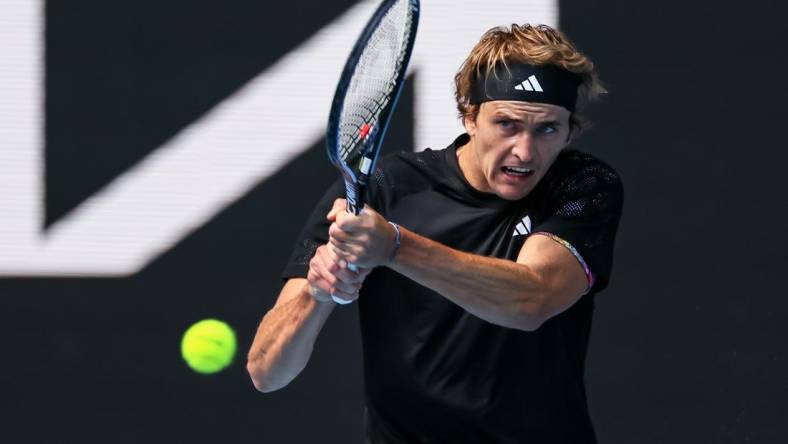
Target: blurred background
157, 160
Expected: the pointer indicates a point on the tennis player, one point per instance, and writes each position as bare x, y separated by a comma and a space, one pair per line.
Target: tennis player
478, 263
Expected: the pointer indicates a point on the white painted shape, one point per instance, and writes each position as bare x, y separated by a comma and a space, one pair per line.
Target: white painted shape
21, 125
180, 186
218, 158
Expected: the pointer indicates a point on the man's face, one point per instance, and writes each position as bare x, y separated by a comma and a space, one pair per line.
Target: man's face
512, 146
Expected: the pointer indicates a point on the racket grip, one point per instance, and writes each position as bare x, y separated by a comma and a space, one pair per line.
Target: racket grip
355, 203
354, 269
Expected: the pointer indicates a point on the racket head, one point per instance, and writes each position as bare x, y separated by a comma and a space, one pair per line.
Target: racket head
367, 93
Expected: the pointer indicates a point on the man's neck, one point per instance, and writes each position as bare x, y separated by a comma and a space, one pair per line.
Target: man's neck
469, 168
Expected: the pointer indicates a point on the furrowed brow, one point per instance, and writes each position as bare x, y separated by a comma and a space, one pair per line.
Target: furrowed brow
505, 114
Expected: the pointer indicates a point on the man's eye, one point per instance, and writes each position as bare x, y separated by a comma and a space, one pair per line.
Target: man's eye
505, 123
547, 129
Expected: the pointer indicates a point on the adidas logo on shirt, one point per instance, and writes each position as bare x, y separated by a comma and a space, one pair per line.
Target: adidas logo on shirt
523, 227
529, 84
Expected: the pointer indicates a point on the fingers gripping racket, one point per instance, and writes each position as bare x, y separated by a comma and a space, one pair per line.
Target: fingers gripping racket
367, 94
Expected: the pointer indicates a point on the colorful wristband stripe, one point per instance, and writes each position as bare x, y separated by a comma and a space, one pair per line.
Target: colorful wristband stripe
573, 250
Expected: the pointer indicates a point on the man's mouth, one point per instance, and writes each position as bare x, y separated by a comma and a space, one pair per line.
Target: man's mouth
517, 171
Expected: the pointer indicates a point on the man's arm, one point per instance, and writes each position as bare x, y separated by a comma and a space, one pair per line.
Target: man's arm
287, 333
545, 280
286, 336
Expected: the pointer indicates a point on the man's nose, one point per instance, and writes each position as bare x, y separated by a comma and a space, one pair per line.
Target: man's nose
523, 148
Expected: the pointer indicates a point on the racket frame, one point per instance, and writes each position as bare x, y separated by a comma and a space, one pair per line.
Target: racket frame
356, 181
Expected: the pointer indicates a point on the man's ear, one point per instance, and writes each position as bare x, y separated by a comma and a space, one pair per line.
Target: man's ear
574, 131
469, 122
570, 136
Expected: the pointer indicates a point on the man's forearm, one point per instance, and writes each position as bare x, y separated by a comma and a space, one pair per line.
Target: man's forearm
285, 339
499, 291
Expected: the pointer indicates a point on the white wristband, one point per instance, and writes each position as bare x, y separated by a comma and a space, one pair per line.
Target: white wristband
341, 301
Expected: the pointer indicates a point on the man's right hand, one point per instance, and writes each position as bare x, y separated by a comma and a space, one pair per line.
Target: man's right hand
330, 275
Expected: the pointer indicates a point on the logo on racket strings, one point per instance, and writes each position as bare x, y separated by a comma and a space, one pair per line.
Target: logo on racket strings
364, 131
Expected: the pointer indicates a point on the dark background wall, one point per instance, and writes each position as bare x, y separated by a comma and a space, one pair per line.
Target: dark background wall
688, 341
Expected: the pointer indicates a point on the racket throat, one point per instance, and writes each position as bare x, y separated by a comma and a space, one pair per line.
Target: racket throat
365, 166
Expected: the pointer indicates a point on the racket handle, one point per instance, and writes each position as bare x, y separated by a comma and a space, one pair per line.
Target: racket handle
355, 203
354, 269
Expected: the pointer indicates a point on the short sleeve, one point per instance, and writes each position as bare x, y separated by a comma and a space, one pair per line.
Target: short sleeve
313, 234
583, 210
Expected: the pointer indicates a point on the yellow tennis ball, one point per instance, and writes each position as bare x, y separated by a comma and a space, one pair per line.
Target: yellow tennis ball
208, 346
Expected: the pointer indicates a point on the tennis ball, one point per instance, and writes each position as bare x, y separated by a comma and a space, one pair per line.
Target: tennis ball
208, 346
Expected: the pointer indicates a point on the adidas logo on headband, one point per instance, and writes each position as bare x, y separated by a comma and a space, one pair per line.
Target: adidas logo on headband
518, 81
529, 84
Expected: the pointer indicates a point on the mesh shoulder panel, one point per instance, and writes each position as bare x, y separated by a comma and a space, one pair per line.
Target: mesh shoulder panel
583, 187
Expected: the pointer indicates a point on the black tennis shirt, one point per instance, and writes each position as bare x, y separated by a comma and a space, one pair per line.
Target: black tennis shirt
435, 373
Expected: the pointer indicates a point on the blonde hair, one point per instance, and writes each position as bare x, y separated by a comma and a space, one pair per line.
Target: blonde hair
532, 44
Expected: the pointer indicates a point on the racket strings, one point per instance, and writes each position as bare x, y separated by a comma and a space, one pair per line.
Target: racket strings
374, 80
352, 133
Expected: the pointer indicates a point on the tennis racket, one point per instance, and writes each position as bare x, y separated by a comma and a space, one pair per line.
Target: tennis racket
367, 94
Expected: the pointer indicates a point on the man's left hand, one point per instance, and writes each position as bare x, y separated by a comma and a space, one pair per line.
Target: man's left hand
366, 240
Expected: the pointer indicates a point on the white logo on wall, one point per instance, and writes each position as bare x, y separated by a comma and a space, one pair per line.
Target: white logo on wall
160, 200
529, 84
